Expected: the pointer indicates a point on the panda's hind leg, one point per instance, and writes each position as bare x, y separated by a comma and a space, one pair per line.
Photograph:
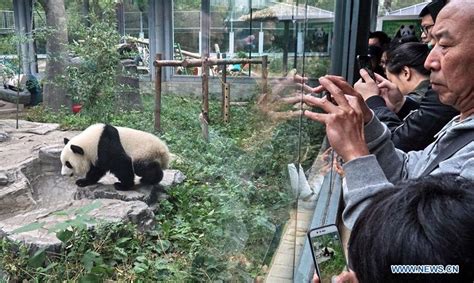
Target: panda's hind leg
150, 172
124, 173
122, 168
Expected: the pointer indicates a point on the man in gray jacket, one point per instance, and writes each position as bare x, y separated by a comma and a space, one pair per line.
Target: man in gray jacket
372, 162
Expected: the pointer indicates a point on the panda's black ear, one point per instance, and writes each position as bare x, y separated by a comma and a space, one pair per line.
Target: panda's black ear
77, 149
66, 140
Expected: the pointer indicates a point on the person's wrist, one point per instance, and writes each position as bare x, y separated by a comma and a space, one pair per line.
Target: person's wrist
368, 91
368, 115
355, 153
369, 95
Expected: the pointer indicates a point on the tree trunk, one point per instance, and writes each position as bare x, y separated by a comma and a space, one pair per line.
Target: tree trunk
85, 12
54, 95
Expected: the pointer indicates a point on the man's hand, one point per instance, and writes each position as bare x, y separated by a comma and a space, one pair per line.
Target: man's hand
344, 122
344, 277
368, 88
390, 93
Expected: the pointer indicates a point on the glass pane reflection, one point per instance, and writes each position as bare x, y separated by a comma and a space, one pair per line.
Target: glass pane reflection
262, 231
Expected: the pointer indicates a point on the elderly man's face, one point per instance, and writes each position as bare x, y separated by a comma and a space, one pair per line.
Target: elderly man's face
451, 61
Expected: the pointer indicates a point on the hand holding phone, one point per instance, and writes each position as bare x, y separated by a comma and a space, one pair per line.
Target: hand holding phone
327, 251
364, 62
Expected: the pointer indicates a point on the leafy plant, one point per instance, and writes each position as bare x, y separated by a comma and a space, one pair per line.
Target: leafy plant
91, 77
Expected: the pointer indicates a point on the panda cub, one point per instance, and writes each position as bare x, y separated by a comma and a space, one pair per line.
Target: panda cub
124, 152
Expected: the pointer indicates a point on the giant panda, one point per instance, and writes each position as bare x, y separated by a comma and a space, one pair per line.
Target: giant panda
123, 151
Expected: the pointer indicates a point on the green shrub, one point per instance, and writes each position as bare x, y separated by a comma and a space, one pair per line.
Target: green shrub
91, 79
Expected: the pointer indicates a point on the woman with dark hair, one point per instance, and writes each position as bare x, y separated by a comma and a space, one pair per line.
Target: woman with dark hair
404, 68
405, 101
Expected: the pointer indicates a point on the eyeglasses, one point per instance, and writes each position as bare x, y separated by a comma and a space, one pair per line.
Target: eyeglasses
426, 29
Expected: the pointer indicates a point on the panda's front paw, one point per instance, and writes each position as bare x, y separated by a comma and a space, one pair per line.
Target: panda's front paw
83, 182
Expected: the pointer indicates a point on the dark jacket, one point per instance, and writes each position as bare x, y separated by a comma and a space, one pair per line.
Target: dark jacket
420, 91
414, 126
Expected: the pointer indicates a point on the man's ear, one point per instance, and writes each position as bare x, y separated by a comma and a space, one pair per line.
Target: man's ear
77, 149
66, 140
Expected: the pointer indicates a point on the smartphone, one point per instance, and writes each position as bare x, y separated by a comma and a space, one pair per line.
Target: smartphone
364, 62
328, 253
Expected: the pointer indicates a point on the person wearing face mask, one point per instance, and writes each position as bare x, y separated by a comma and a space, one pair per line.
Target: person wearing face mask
405, 101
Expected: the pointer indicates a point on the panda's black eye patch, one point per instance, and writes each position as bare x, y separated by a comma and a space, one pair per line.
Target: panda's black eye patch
68, 165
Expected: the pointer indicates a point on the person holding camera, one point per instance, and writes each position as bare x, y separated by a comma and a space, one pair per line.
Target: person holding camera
405, 102
356, 134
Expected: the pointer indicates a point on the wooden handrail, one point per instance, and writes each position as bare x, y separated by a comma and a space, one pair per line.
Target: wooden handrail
211, 61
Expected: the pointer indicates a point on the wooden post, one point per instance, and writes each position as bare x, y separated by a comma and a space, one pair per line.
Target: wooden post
286, 43
204, 127
205, 89
264, 74
223, 85
226, 102
157, 93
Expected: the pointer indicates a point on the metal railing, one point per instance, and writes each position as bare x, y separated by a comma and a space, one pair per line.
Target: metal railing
327, 209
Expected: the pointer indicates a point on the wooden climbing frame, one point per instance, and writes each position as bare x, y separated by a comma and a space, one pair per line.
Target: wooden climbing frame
205, 64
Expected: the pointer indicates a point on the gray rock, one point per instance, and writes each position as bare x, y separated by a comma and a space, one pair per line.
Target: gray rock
109, 210
3, 136
50, 158
16, 196
142, 193
172, 177
49, 189
148, 194
3, 179
9, 125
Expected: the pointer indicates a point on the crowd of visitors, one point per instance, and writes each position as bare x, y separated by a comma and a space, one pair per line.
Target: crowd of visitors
407, 140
